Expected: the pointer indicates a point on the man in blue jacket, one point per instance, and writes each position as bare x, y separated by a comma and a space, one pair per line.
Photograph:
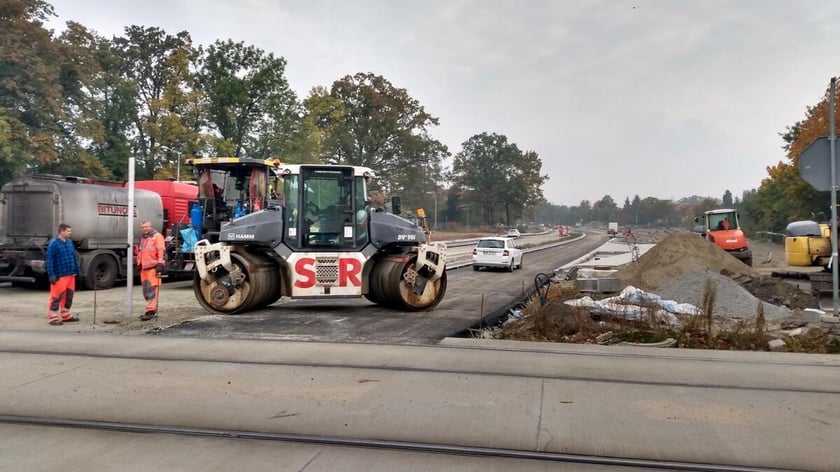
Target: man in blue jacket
62, 268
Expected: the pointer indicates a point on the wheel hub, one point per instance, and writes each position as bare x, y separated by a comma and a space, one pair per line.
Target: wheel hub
219, 295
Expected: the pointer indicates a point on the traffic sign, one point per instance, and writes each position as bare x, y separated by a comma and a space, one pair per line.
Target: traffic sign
815, 165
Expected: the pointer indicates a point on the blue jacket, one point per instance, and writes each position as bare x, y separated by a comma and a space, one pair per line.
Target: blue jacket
61, 258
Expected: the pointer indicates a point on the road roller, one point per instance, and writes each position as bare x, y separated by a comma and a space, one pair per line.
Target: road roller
322, 238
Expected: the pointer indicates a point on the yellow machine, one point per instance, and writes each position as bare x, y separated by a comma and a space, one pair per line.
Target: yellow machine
422, 220
807, 243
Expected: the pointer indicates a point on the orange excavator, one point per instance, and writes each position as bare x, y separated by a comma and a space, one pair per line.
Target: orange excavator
722, 227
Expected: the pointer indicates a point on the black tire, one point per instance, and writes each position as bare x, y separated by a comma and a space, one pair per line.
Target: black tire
510, 266
475, 267
521, 261
101, 273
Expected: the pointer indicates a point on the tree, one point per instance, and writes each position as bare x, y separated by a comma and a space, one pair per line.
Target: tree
322, 113
382, 127
584, 213
83, 126
31, 96
498, 175
605, 209
149, 58
784, 196
727, 199
249, 100
113, 100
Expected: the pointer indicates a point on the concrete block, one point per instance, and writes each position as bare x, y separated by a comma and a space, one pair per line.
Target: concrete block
599, 285
777, 345
812, 315
791, 332
830, 319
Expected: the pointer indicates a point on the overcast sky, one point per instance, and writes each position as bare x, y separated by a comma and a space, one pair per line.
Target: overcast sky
661, 98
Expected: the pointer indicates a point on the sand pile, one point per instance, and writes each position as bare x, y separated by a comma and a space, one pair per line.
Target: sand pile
679, 254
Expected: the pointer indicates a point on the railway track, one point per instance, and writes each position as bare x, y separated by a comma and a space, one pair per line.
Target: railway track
451, 452
579, 407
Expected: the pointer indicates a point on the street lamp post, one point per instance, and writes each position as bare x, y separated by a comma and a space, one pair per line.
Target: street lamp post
434, 222
436, 226
178, 166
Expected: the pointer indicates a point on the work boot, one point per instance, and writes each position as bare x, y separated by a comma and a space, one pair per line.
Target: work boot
148, 316
56, 322
72, 319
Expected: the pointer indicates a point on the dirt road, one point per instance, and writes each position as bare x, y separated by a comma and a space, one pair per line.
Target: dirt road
26, 309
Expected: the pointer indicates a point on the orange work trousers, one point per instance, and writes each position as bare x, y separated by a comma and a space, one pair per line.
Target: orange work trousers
151, 288
61, 298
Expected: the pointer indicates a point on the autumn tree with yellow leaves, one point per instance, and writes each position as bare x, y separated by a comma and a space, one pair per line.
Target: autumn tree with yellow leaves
784, 196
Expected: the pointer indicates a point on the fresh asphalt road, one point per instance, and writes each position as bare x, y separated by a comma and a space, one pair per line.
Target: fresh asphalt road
469, 296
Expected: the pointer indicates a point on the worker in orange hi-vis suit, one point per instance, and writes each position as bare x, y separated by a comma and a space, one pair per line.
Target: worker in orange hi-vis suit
150, 259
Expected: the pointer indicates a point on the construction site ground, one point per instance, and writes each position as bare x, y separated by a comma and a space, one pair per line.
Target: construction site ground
687, 269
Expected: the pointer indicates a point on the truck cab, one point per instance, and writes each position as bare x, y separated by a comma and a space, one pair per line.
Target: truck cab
227, 188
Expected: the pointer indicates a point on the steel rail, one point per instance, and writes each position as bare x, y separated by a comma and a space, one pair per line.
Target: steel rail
399, 368
398, 446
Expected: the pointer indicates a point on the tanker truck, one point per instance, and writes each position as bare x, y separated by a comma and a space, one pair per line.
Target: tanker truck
32, 207
325, 240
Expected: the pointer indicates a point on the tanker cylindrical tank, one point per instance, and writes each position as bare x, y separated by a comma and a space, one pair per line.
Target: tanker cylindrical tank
35, 206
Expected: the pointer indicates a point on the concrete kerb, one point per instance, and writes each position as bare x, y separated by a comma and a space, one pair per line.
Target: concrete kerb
617, 255
494, 317
623, 255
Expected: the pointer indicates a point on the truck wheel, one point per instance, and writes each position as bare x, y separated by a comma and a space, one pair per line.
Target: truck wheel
748, 261
101, 273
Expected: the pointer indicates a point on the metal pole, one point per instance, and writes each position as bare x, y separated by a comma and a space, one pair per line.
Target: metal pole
130, 237
178, 169
436, 226
832, 158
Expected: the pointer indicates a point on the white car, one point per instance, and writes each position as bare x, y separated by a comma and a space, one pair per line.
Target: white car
500, 252
513, 233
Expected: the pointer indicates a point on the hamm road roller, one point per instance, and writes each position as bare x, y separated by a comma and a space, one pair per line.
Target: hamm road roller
322, 239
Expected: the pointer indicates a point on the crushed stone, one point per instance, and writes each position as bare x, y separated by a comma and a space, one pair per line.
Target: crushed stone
731, 299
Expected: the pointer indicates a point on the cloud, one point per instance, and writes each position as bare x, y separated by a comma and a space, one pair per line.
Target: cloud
667, 99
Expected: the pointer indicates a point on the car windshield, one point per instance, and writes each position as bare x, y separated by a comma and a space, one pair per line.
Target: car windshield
491, 243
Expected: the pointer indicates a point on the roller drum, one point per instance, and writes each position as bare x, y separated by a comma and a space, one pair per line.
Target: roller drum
392, 280
254, 283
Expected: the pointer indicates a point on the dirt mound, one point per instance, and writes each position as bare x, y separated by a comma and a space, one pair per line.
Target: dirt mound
680, 253
779, 292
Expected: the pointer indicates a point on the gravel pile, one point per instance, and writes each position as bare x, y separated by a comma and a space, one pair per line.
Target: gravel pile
678, 254
732, 300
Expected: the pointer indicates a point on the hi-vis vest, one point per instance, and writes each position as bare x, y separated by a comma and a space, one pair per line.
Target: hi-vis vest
151, 250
